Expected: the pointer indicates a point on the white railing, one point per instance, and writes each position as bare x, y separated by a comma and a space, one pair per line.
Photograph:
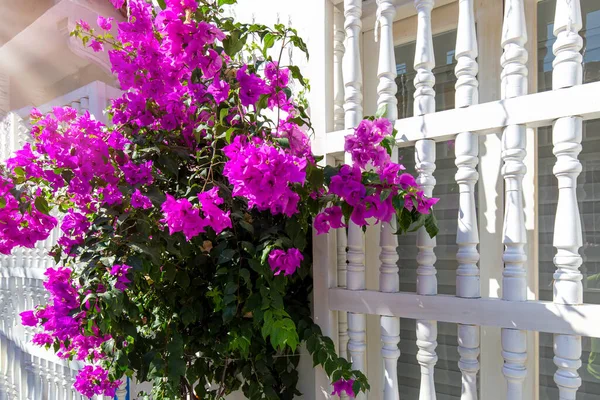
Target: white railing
565, 108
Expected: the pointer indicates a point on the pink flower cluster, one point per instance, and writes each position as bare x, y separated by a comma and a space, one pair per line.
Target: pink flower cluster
120, 271
264, 174
285, 261
92, 380
20, 227
181, 216
341, 386
331, 217
366, 150
62, 323
163, 52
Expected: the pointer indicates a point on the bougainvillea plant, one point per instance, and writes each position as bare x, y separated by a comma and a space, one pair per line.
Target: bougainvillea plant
185, 254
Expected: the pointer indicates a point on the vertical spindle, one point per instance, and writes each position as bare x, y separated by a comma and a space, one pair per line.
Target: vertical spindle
357, 323
514, 277
566, 137
424, 103
467, 235
388, 272
338, 74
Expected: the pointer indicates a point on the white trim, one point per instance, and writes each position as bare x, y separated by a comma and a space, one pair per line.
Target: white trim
541, 316
534, 110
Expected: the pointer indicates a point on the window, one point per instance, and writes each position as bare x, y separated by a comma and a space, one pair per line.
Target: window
588, 194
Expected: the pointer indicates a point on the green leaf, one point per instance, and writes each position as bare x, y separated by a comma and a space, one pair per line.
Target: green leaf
385, 194
2, 202
161, 4
228, 134
431, 225
234, 43
226, 256
296, 74
283, 142
182, 279
388, 144
19, 172
223, 2
42, 205
247, 226
316, 177
268, 42
245, 274
223, 113
381, 111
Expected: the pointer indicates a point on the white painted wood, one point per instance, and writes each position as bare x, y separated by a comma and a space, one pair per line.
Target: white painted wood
514, 277
425, 166
338, 72
566, 138
534, 110
424, 103
352, 63
424, 60
122, 390
468, 349
324, 278
357, 345
389, 280
541, 316
467, 236
342, 243
467, 151
467, 93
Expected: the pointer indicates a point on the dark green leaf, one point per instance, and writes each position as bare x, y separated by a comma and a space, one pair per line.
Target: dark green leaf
42, 205
234, 43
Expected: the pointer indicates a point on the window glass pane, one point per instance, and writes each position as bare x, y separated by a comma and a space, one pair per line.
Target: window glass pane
445, 79
588, 194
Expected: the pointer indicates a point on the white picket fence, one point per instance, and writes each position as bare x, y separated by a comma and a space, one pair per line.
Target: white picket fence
28, 372
341, 299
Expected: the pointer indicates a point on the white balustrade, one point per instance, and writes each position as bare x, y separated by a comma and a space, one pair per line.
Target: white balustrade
357, 323
566, 138
389, 280
424, 103
467, 235
514, 282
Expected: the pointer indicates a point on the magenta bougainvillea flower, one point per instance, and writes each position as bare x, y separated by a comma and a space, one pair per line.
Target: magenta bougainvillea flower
343, 386
285, 261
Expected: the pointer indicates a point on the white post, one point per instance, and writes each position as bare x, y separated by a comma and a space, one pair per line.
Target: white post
352, 72
122, 390
357, 323
514, 282
424, 103
566, 137
389, 280
338, 75
467, 235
